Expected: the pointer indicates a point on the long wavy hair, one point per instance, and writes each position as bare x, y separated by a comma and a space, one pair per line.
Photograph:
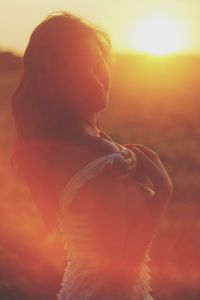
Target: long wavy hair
40, 103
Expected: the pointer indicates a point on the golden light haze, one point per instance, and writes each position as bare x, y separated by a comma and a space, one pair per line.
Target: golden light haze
158, 35
157, 27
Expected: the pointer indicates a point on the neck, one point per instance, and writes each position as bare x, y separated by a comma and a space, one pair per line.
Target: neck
89, 124
84, 125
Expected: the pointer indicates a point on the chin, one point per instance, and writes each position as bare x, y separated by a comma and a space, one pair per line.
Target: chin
102, 105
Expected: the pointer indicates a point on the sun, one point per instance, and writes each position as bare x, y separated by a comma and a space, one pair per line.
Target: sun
158, 35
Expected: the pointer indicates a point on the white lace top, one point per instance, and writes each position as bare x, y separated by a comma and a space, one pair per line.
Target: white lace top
81, 280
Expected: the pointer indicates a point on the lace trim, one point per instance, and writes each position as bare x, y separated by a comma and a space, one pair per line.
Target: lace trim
78, 283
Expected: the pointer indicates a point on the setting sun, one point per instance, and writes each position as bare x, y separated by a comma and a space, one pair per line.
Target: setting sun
158, 36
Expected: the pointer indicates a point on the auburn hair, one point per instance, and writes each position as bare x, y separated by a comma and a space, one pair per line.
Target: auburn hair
39, 104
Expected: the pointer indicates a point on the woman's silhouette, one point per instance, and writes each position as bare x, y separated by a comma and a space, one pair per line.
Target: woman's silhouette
105, 198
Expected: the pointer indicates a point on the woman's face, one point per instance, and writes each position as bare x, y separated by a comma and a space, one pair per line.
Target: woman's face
89, 79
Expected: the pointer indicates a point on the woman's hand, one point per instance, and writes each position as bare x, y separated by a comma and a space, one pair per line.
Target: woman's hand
149, 162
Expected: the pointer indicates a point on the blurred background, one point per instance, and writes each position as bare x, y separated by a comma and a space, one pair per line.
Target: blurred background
154, 100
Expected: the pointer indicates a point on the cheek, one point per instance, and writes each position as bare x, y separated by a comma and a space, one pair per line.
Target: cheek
86, 92
87, 86
94, 92
90, 85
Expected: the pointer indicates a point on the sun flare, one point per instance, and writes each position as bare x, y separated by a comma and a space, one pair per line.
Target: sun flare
158, 36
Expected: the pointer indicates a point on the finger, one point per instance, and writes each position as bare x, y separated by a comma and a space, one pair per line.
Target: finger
151, 168
125, 152
156, 160
144, 158
152, 154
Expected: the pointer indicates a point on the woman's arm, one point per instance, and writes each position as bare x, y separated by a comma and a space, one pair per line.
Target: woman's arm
150, 166
147, 206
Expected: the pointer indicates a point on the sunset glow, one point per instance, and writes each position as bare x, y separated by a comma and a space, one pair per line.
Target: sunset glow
158, 36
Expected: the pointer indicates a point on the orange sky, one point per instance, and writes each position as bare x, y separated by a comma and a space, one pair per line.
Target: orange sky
124, 20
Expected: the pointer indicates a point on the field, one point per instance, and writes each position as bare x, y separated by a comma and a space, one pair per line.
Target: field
154, 101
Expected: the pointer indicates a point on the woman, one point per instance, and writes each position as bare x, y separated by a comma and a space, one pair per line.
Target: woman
105, 198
